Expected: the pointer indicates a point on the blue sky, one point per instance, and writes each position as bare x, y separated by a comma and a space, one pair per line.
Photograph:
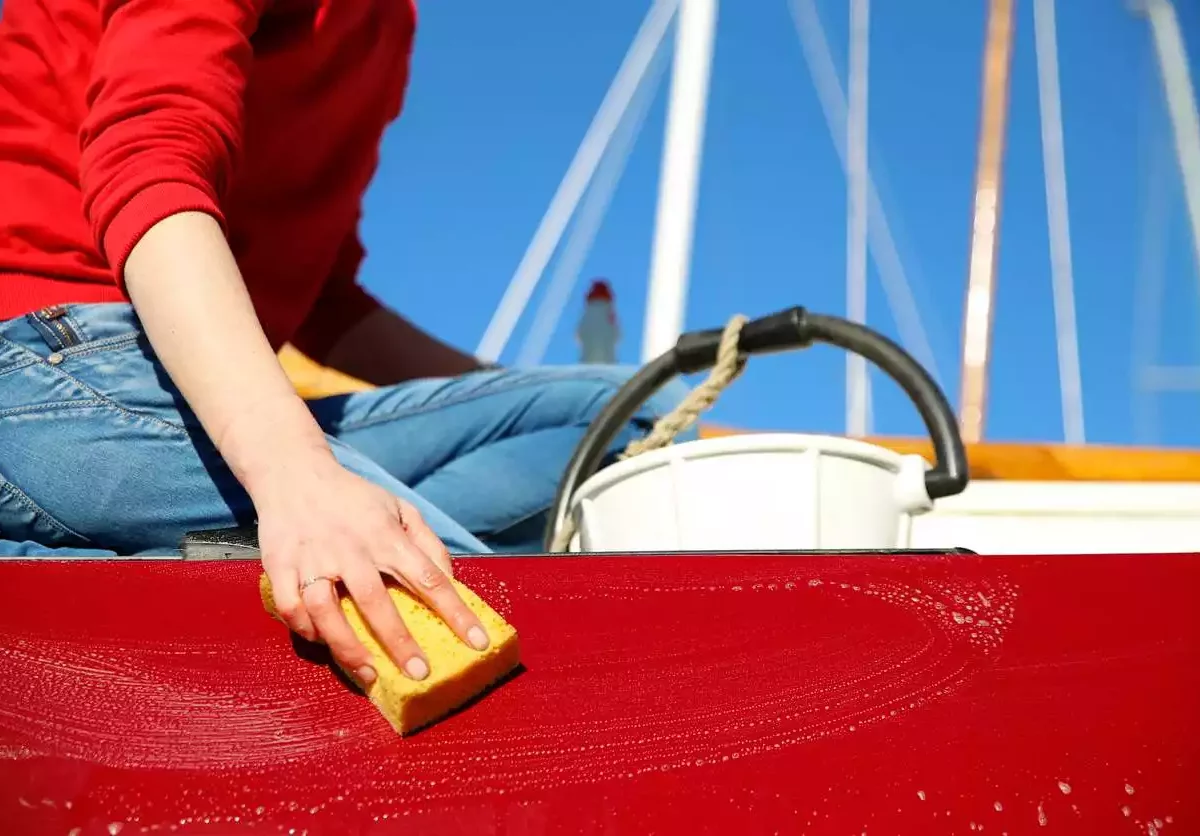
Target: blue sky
501, 96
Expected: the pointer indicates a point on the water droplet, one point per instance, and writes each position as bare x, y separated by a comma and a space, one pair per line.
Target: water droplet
1064, 787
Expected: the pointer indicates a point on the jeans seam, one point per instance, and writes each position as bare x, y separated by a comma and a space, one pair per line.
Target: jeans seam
457, 401
78, 350
31, 357
95, 346
22, 498
16, 367
129, 413
100, 399
33, 409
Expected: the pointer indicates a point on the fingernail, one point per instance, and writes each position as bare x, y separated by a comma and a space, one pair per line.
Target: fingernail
366, 674
478, 638
416, 668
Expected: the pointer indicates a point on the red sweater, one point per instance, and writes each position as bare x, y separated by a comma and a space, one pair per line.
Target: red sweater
266, 114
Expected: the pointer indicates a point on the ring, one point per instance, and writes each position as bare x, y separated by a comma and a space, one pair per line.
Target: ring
307, 582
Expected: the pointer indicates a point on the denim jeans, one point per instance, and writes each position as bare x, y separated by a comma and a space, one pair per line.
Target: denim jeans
100, 455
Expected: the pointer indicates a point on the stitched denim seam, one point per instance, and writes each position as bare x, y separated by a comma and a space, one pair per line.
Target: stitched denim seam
99, 345
18, 367
130, 413
461, 399
22, 498
33, 409
85, 349
98, 398
79, 350
32, 359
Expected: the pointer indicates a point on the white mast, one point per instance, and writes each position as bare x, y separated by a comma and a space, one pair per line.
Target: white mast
575, 182
1055, 176
1181, 103
678, 181
1150, 280
858, 391
587, 223
881, 244
1151, 380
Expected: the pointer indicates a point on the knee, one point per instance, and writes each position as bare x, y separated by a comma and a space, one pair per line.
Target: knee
603, 383
665, 400
600, 383
668, 397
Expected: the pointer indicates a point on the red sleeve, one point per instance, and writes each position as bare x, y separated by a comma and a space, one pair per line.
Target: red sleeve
164, 122
342, 304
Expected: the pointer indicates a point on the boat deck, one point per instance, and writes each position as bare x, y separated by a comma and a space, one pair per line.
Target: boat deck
722, 694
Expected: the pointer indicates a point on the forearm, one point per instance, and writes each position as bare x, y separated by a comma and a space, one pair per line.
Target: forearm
386, 348
197, 314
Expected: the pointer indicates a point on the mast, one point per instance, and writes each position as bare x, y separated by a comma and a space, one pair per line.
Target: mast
1057, 218
682, 149
858, 392
587, 222
880, 244
1181, 104
1150, 379
985, 227
575, 182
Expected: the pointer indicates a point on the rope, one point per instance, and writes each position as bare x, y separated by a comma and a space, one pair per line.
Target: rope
728, 367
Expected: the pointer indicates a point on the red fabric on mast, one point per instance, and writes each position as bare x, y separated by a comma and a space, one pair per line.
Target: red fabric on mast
704, 694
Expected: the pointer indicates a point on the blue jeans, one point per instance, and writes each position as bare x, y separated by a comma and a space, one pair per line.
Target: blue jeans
100, 455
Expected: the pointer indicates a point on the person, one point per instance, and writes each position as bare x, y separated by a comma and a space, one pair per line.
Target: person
181, 189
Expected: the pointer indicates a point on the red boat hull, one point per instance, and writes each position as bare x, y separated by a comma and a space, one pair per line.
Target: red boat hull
674, 694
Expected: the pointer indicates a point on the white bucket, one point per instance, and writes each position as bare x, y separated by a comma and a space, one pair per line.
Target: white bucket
767, 492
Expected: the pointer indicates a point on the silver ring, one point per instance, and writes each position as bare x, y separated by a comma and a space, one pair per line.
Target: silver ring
307, 582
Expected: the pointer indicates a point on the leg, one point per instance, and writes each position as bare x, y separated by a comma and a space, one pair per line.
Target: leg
490, 448
101, 452
11, 550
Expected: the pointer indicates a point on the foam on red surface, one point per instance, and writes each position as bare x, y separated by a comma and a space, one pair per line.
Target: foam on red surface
705, 694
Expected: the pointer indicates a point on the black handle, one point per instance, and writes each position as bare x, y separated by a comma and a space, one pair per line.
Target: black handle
794, 328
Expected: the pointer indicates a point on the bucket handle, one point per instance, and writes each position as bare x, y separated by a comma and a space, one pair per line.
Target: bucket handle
791, 329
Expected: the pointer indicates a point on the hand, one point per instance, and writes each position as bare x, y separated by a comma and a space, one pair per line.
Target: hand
319, 524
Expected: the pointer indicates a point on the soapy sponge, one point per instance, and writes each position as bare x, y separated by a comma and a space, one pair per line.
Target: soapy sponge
458, 673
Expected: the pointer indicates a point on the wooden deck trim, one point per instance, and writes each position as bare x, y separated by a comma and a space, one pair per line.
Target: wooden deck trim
313, 380
1041, 462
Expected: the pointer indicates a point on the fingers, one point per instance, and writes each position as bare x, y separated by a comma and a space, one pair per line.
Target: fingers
424, 539
366, 588
285, 590
420, 573
403, 547
321, 601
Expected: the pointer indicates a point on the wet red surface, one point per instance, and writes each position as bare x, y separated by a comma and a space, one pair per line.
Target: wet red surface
872, 695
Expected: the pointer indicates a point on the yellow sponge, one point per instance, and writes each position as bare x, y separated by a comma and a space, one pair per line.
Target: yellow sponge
457, 674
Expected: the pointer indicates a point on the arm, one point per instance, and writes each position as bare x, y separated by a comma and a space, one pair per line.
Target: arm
350, 331
157, 152
386, 348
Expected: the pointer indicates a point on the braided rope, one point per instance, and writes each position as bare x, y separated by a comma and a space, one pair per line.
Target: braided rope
728, 367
